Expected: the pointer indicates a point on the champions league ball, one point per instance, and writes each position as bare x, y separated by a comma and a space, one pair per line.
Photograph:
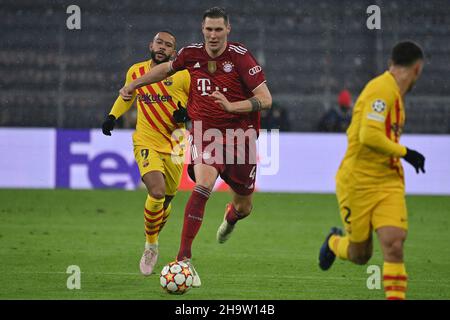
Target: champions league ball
176, 277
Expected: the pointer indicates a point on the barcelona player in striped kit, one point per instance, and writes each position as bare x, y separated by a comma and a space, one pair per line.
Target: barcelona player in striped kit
155, 143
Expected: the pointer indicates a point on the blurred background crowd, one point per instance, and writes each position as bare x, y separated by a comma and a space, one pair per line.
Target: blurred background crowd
317, 57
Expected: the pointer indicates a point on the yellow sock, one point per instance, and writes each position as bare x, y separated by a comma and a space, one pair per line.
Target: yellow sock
153, 216
395, 280
339, 246
166, 215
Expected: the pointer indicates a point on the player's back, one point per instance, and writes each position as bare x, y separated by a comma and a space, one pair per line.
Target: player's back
379, 105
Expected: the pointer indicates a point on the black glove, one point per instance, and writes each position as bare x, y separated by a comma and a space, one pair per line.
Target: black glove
180, 115
416, 159
108, 124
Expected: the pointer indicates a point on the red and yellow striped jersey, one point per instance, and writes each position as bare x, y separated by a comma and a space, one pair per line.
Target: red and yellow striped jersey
155, 104
373, 151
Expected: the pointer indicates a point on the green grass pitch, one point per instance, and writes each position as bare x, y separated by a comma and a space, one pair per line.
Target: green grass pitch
271, 255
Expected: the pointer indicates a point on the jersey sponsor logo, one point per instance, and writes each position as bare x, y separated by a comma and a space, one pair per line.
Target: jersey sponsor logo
254, 70
197, 65
379, 106
152, 98
204, 85
168, 81
212, 66
227, 66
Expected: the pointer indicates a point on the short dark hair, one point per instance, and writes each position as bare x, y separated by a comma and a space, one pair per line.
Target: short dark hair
406, 53
169, 32
216, 12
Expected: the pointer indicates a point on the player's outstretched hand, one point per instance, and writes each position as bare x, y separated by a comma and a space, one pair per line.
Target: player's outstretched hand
180, 115
108, 124
222, 100
416, 159
127, 92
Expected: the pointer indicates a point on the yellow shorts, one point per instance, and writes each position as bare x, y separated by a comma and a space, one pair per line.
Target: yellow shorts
364, 211
148, 160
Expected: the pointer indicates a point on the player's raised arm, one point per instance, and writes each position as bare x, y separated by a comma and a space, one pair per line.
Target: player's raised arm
262, 100
156, 74
118, 109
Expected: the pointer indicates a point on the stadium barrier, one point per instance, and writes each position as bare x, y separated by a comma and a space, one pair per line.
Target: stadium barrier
298, 162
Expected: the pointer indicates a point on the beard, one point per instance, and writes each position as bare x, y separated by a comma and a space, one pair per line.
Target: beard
153, 55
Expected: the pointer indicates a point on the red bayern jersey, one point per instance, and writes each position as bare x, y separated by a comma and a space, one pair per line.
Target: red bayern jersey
235, 73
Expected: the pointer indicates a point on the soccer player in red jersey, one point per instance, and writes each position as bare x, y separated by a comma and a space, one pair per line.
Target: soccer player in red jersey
228, 90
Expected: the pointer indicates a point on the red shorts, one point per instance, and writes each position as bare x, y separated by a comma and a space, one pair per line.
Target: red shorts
236, 164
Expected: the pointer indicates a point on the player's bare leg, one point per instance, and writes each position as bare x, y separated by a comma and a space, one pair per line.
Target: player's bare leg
153, 218
205, 178
205, 175
360, 252
239, 208
391, 241
394, 273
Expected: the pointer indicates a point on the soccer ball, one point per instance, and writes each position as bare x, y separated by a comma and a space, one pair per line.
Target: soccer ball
176, 277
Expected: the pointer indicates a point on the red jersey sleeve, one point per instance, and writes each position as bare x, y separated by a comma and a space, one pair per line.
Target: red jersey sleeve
250, 71
178, 63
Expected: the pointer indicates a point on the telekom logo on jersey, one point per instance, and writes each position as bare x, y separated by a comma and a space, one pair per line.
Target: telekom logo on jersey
204, 85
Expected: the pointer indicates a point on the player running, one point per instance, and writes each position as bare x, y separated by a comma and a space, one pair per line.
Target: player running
229, 90
153, 142
370, 182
